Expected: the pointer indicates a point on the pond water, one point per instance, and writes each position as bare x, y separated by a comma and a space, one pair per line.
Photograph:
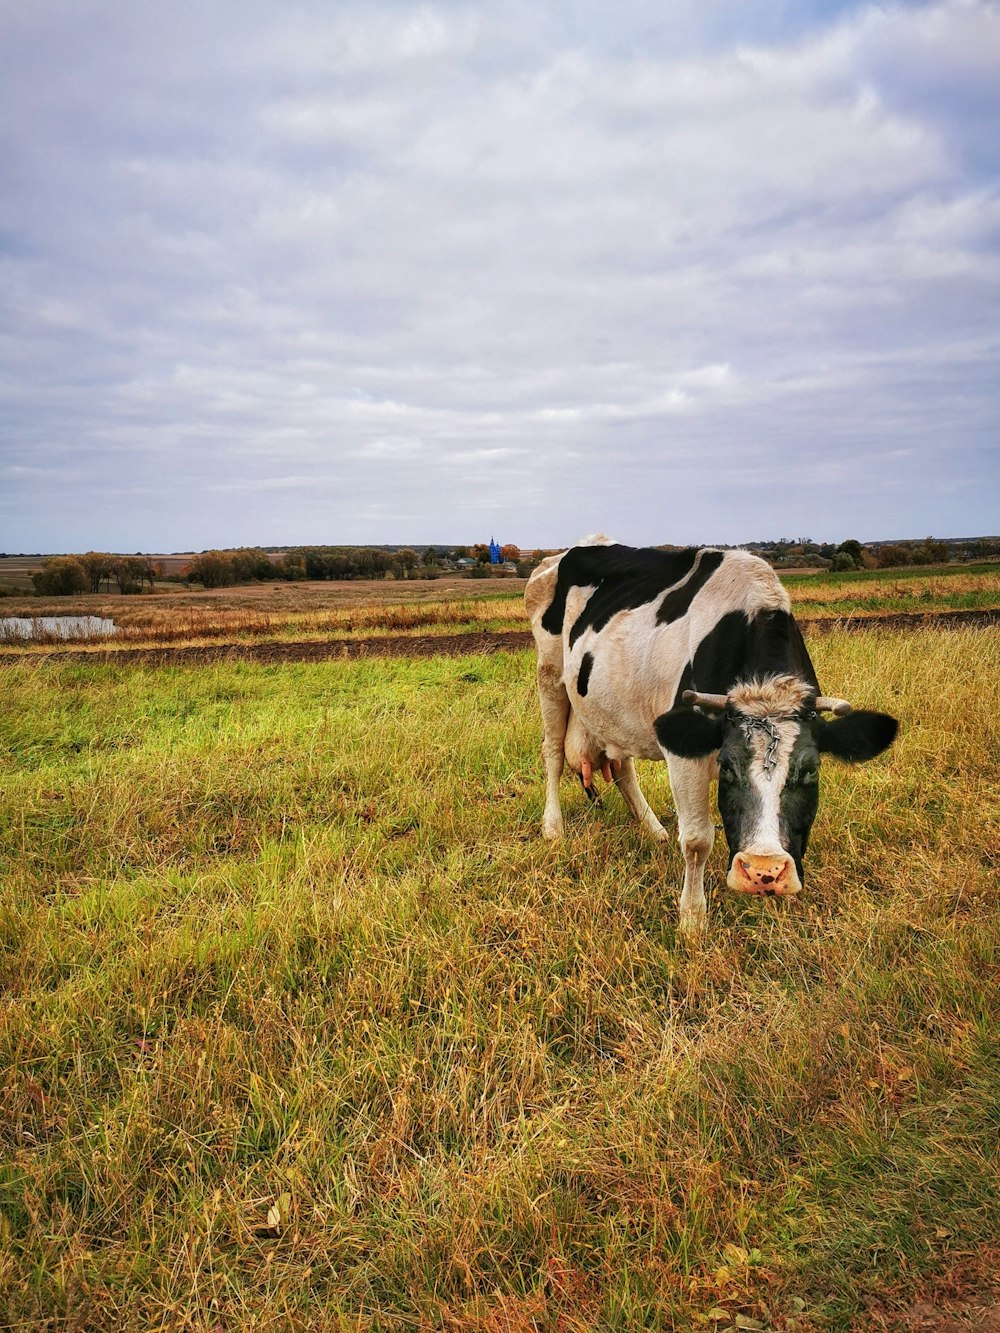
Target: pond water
54, 627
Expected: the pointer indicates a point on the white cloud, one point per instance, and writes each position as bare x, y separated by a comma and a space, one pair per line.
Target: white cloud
495, 242
392, 446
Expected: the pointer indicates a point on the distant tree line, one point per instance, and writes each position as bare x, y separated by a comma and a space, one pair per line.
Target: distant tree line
222, 569
63, 575
94, 571
802, 552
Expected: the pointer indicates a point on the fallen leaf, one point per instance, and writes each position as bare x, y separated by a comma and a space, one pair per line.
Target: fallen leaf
34, 1091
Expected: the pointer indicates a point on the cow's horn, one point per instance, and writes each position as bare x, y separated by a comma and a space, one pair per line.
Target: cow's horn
839, 706
705, 700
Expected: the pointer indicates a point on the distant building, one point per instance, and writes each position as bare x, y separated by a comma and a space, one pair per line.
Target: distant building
496, 555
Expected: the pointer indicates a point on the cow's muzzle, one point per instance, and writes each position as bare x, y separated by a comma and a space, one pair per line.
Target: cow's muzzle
773, 874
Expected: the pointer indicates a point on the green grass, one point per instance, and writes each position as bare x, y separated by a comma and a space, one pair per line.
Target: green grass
286, 941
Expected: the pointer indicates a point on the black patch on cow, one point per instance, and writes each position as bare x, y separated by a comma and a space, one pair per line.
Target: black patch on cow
858, 736
677, 602
739, 804
689, 734
799, 800
624, 578
583, 679
739, 648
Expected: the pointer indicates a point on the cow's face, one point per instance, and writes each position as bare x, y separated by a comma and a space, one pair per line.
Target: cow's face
768, 797
768, 742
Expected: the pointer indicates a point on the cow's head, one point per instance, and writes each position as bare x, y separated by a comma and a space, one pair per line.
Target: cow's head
769, 736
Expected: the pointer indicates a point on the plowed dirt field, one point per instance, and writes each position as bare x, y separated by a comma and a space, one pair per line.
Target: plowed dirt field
428, 645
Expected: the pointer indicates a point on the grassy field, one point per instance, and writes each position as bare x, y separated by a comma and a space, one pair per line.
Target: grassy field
296, 611
878, 591
314, 611
302, 1026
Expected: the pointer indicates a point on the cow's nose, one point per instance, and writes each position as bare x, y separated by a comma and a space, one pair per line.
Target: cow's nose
773, 873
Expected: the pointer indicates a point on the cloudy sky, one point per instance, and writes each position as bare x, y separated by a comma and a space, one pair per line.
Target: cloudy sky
380, 271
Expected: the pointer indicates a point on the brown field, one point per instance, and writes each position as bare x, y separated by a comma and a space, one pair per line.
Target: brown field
282, 611
314, 613
16, 570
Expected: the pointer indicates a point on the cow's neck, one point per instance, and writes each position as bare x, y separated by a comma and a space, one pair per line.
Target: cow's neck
740, 649
775, 647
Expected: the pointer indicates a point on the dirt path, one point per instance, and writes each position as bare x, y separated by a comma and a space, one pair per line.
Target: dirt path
430, 645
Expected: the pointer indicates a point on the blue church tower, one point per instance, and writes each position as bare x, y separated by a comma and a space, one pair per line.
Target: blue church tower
495, 552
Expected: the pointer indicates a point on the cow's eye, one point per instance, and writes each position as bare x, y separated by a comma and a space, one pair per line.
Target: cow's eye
808, 776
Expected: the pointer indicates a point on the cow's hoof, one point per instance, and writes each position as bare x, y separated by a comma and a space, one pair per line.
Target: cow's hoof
553, 831
693, 924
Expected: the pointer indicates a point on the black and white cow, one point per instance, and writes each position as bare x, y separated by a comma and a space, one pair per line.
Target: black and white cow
691, 656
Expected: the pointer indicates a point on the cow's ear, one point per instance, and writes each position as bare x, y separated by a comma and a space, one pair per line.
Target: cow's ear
858, 736
688, 733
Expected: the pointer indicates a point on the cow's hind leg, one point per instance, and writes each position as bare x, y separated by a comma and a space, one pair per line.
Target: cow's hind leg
689, 781
554, 703
627, 782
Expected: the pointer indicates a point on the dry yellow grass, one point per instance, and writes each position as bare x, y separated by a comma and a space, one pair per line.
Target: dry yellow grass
891, 590
309, 612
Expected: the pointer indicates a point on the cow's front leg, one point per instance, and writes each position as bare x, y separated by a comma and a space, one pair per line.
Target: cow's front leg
689, 781
554, 703
627, 781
